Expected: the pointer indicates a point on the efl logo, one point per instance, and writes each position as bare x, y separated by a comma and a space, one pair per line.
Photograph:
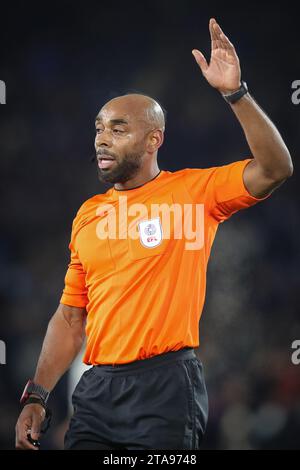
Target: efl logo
150, 232
296, 94
2, 92
2, 352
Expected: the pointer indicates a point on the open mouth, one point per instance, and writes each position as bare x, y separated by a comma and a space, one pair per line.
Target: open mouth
105, 161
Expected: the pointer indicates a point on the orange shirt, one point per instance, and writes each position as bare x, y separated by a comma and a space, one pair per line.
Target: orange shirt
144, 293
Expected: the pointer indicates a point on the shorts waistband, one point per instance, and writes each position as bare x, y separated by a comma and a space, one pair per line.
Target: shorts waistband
144, 364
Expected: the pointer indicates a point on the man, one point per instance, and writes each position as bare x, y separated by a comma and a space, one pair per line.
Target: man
139, 282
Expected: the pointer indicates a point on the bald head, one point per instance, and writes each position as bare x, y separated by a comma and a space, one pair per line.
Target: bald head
138, 107
129, 132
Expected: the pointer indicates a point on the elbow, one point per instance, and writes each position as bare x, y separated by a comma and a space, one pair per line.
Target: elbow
288, 167
284, 172
290, 170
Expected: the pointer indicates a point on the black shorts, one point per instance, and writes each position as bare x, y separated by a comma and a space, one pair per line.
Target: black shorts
155, 403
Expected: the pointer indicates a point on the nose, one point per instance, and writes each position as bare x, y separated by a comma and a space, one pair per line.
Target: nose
103, 139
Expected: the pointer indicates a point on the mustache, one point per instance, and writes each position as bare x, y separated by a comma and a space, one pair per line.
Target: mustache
93, 157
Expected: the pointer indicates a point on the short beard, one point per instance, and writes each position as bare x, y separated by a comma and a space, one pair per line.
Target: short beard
123, 171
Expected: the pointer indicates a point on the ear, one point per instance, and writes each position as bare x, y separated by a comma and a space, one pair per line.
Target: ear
156, 139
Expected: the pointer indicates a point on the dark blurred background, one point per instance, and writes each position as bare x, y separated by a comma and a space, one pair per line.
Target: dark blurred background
61, 63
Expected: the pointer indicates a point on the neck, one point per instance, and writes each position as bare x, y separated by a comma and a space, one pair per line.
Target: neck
145, 175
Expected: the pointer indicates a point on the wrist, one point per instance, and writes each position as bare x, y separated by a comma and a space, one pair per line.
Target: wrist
34, 390
34, 401
31, 400
236, 95
229, 91
35, 395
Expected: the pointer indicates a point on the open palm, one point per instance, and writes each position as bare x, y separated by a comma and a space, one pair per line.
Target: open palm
223, 71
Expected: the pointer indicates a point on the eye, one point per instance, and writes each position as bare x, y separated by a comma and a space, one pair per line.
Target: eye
98, 130
119, 131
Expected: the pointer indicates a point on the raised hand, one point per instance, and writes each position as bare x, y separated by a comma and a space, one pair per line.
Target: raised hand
223, 71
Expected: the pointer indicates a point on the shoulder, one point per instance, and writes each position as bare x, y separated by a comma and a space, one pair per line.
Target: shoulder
195, 175
88, 209
214, 173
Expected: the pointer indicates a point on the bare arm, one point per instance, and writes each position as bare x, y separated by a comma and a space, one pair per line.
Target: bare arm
272, 163
62, 343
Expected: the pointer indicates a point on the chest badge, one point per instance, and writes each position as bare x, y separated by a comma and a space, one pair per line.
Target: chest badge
150, 232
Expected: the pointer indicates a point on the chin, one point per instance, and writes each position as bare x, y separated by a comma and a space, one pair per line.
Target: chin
109, 177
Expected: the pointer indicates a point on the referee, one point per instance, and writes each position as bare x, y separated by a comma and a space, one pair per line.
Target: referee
135, 285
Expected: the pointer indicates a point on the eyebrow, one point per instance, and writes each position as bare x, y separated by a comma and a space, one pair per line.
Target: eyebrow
113, 121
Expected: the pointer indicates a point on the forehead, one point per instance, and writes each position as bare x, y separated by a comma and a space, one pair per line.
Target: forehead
121, 110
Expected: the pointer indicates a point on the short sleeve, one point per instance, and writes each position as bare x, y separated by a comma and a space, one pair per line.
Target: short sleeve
75, 291
222, 189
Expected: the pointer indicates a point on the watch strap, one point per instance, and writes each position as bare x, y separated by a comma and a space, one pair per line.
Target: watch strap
236, 95
32, 400
32, 388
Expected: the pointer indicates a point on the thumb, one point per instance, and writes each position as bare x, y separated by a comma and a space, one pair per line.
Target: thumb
200, 59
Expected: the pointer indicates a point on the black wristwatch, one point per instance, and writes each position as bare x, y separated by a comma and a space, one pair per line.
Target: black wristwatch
32, 388
236, 95
40, 396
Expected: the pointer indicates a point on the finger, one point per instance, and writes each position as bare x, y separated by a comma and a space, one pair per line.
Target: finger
212, 34
218, 36
22, 442
226, 42
222, 37
21, 428
217, 28
215, 35
32, 441
36, 427
200, 59
214, 31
